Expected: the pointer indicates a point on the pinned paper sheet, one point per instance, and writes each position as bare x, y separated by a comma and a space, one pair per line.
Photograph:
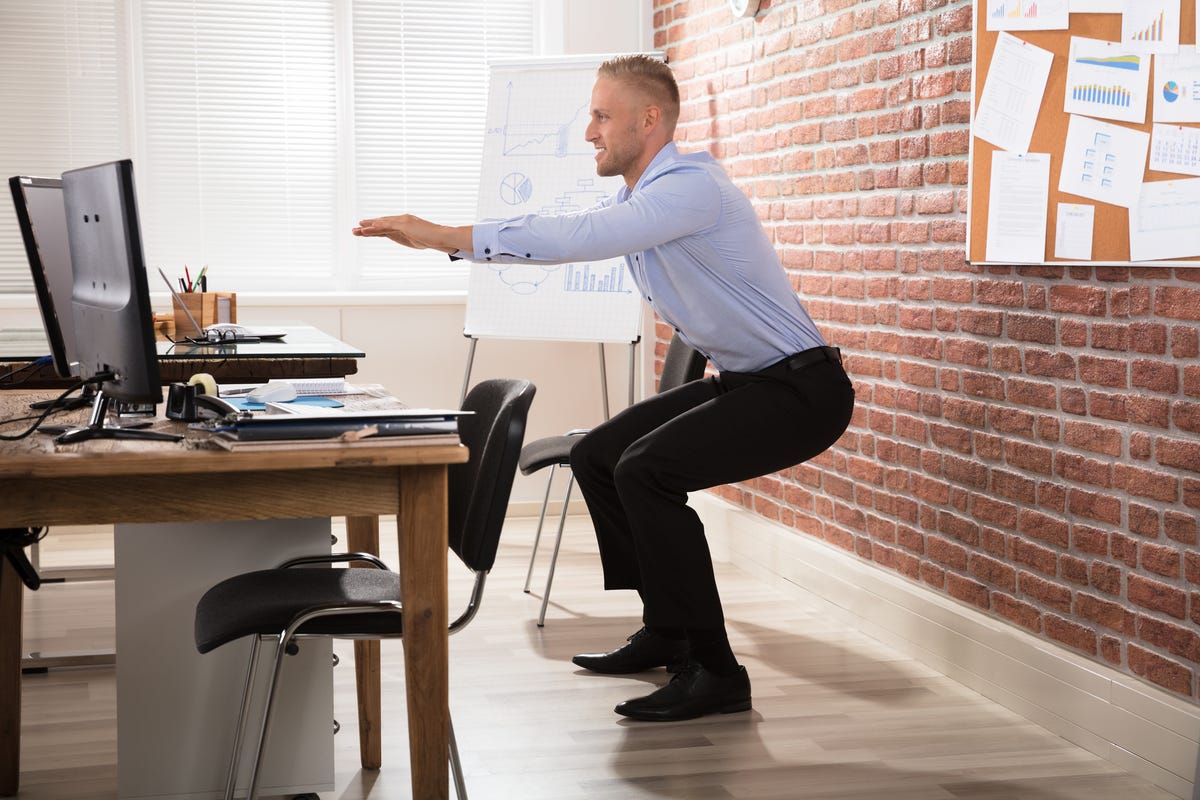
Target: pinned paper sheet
1177, 86
1027, 15
1162, 224
1073, 231
1174, 148
1150, 26
1107, 80
1012, 94
1103, 162
1017, 203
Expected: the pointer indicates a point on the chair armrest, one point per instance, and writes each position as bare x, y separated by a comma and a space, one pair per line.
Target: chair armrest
333, 558
577, 432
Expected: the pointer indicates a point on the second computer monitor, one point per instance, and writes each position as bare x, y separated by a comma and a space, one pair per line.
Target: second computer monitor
43, 222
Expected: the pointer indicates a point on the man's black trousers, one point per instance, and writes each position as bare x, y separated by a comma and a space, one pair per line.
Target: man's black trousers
636, 469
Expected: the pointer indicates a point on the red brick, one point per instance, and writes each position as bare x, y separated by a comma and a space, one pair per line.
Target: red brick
1070, 633
1162, 671
1156, 596
1110, 649
967, 590
1044, 591
1105, 577
1178, 453
1175, 639
1180, 527
1096, 506
1017, 611
1161, 559
1110, 614
993, 571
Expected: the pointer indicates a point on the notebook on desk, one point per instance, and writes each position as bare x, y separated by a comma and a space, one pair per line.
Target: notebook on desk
290, 421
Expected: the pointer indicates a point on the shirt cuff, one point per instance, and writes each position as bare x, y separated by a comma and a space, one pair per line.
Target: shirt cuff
485, 239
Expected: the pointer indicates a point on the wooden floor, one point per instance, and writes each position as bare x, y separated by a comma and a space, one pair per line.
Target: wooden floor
836, 715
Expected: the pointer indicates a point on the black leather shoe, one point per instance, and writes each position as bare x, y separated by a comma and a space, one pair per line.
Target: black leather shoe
645, 650
692, 693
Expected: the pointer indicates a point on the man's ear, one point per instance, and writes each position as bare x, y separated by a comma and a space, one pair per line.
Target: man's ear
651, 118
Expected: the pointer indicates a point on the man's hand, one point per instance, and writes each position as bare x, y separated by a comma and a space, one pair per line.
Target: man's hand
417, 233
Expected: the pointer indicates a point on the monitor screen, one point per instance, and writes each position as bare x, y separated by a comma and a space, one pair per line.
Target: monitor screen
114, 327
43, 222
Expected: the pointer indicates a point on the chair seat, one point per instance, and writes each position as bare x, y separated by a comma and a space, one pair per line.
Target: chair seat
265, 602
551, 451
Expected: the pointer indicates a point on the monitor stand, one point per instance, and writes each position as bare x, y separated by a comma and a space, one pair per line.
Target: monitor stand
97, 429
86, 398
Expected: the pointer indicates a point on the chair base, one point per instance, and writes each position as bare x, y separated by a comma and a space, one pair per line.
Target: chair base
562, 521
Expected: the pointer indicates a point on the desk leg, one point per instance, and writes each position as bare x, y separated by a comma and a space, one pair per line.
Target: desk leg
423, 532
11, 590
362, 535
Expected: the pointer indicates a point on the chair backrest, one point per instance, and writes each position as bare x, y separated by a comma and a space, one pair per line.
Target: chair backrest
480, 488
682, 365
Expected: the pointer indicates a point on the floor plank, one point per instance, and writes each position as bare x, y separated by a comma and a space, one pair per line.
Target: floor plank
836, 715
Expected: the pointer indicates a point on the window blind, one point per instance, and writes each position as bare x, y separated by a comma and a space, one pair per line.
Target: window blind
261, 132
62, 100
420, 97
239, 152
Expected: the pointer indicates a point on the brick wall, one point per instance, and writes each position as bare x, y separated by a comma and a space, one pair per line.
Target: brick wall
1026, 440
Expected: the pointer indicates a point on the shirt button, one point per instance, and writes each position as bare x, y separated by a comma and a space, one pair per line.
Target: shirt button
487, 249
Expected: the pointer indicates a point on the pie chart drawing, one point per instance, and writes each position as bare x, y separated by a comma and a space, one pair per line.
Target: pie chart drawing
516, 188
1170, 91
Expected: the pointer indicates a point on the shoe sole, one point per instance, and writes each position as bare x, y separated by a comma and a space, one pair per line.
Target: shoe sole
733, 707
673, 667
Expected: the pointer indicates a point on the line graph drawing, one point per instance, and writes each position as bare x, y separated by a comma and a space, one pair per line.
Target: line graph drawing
526, 136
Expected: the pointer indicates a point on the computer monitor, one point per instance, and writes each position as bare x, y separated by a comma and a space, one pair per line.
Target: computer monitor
114, 326
43, 222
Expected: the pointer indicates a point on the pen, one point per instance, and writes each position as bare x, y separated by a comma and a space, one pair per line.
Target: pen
201, 281
182, 285
189, 277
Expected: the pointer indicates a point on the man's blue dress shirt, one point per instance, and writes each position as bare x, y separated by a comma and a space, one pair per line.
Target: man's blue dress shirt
695, 249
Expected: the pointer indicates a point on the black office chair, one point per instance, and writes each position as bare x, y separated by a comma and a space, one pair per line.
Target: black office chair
364, 602
681, 365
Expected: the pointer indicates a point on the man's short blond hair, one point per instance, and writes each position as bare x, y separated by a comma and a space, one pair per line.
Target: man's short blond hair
650, 76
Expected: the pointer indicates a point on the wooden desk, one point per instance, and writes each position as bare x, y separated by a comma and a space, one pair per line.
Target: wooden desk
129, 481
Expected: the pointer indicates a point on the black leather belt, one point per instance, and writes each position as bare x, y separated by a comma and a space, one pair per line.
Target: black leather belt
802, 360
807, 358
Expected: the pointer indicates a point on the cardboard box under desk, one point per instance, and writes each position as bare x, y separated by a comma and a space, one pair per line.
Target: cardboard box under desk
208, 308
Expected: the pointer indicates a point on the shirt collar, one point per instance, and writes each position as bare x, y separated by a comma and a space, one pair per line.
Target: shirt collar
668, 153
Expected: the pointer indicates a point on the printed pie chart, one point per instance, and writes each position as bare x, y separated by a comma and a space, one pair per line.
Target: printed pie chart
1170, 91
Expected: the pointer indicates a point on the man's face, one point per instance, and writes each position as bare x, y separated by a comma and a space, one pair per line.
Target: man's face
614, 129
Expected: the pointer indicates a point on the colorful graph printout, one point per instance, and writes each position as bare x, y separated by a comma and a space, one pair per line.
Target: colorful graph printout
1027, 15
1150, 26
1176, 88
1106, 80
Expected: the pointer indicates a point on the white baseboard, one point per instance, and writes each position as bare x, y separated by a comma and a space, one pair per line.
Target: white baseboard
1134, 725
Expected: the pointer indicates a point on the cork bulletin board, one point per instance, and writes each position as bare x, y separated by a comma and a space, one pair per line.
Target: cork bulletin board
1110, 239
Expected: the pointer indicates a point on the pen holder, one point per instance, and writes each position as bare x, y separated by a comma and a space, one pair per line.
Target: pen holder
208, 308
